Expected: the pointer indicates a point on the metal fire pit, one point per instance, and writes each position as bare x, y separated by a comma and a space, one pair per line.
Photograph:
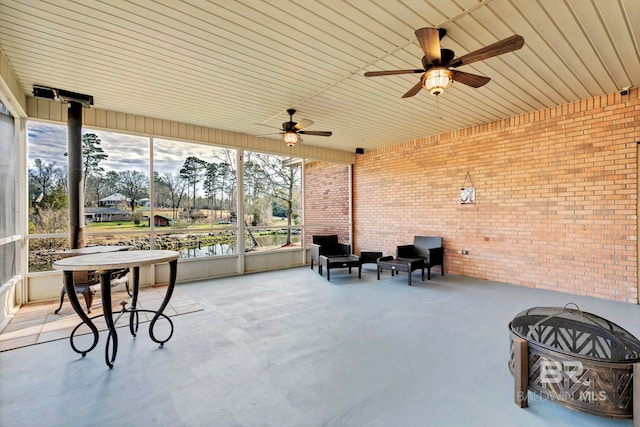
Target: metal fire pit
577, 359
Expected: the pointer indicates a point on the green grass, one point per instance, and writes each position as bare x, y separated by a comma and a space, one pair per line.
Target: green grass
130, 226
115, 226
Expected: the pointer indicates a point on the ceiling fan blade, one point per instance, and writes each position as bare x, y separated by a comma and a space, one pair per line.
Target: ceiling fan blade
429, 39
316, 132
469, 79
390, 73
303, 124
414, 90
507, 45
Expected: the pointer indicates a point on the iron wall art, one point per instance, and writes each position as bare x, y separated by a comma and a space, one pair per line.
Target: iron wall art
467, 194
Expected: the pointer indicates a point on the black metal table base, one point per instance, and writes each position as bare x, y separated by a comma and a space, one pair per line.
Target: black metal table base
111, 347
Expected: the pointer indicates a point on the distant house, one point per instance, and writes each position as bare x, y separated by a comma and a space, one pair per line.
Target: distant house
115, 199
145, 202
103, 214
161, 221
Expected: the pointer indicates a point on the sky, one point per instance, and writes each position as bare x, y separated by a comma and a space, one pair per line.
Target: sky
126, 152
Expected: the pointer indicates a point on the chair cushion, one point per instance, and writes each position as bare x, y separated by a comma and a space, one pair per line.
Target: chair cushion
422, 244
332, 250
328, 244
328, 240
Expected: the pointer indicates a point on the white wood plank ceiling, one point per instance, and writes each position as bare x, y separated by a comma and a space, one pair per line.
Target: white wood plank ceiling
239, 65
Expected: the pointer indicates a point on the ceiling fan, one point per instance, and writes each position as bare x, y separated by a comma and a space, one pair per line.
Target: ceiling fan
291, 130
437, 63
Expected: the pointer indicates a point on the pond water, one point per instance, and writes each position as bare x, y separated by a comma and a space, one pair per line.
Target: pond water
268, 241
213, 250
41, 260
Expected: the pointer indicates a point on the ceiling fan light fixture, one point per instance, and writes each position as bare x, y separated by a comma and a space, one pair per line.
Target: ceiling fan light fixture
291, 138
437, 80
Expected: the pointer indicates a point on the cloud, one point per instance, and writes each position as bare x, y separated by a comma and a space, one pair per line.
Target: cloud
126, 152
47, 142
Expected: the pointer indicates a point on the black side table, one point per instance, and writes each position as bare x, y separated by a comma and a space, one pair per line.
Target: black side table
406, 265
368, 257
339, 262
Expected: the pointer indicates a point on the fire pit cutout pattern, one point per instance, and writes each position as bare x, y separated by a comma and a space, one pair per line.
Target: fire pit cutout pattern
576, 359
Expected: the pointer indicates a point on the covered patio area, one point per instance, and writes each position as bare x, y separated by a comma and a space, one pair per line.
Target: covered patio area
288, 348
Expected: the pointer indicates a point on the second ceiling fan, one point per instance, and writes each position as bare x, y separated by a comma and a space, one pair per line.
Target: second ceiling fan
438, 64
291, 130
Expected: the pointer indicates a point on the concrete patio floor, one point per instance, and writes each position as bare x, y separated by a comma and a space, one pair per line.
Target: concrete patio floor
288, 348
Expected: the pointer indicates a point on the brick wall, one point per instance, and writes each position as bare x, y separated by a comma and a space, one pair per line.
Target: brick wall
556, 194
326, 195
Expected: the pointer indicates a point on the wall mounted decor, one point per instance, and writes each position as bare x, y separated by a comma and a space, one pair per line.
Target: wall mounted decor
467, 194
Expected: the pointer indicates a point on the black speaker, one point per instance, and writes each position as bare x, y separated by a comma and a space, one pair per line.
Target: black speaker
359, 150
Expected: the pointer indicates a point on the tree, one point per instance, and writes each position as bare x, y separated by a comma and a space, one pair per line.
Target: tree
191, 171
101, 186
175, 186
253, 184
112, 182
49, 221
59, 197
61, 178
278, 177
210, 183
134, 185
92, 155
161, 198
228, 180
51, 182
42, 176
137, 217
